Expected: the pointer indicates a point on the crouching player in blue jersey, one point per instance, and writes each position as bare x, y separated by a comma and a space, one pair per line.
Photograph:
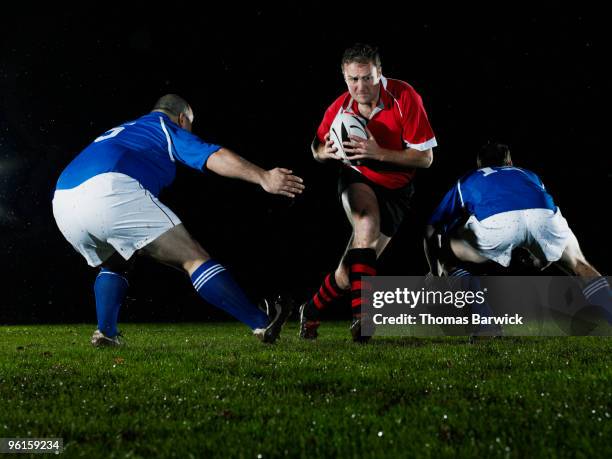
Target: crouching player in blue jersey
105, 204
498, 208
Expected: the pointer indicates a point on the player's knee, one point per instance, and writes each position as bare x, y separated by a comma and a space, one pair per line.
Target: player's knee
365, 215
198, 251
367, 232
194, 256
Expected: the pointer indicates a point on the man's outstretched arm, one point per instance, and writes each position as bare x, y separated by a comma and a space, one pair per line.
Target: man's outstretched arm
275, 181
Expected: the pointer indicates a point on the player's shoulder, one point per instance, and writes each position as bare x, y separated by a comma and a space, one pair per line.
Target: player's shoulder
517, 170
156, 117
146, 120
529, 173
526, 171
510, 173
150, 116
400, 89
398, 85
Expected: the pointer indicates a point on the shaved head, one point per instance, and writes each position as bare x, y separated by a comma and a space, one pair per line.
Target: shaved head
173, 104
177, 109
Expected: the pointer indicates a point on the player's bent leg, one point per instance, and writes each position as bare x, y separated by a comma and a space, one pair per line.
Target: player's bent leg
217, 286
310, 311
595, 288
342, 271
110, 289
178, 249
461, 279
362, 263
213, 282
452, 254
335, 285
361, 206
465, 252
573, 262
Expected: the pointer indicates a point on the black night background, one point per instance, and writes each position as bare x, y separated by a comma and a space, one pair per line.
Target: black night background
259, 81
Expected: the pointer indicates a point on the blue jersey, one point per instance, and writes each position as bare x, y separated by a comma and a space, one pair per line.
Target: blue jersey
146, 149
489, 191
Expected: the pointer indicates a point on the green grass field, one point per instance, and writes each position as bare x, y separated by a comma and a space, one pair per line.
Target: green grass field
200, 390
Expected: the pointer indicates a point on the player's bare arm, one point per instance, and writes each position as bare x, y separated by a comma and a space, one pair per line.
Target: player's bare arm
358, 148
275, 181
324, 151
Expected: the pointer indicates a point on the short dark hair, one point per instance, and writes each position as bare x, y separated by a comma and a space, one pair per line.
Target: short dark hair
362, 54
493, 154
173, 104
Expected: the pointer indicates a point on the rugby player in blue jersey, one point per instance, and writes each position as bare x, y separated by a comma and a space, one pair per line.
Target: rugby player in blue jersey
106, 205
498, 208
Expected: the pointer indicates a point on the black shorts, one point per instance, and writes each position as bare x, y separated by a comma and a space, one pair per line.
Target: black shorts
393, 204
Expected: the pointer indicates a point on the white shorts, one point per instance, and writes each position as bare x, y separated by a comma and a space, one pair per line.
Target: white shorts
541, 231
110, 213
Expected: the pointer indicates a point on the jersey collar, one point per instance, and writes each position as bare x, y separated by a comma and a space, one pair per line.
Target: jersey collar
165, 116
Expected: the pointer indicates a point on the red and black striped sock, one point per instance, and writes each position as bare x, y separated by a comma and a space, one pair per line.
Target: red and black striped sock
327, 293
361, 262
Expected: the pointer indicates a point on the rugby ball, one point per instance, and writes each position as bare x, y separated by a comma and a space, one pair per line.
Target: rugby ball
344, 125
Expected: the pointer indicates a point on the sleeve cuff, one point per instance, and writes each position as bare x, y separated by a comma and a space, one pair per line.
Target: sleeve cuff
422, 146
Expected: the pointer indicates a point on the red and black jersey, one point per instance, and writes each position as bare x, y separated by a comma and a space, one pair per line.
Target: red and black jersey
398, 122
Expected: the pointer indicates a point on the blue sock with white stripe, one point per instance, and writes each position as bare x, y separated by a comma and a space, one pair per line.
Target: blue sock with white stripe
217, 287
458, 272
110, 289
460, 279
467, 282
597, 292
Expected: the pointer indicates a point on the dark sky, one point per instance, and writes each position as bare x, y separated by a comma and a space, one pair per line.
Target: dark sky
259, 82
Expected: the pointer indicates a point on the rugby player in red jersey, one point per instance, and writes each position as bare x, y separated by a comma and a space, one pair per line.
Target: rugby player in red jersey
376, 188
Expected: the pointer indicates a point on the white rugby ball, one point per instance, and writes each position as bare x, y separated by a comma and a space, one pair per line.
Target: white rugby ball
343, 126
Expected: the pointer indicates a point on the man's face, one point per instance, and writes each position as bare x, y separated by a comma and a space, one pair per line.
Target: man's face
186, 120
363, 81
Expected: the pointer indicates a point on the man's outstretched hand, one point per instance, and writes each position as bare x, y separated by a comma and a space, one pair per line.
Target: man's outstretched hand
281, 181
